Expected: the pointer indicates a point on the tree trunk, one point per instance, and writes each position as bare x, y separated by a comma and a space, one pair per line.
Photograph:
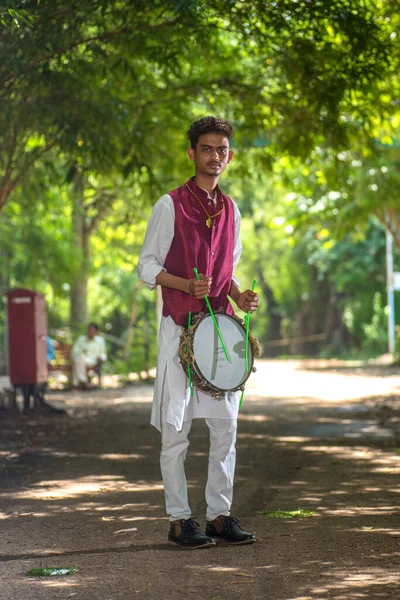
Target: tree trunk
130, 336
272, 310
390, 219
310, 318
304, 326
79, 311
336, 332
272, 307
4, 195
4, 288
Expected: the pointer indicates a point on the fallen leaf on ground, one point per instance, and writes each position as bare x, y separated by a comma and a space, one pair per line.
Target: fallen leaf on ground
125, 530
51, 572
290, 514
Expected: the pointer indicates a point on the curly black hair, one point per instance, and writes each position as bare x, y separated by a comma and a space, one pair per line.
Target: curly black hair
208, 125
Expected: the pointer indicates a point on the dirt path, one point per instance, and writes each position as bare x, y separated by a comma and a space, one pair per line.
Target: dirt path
312, 435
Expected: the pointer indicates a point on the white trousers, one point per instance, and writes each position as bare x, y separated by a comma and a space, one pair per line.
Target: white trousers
79, 370
221, 468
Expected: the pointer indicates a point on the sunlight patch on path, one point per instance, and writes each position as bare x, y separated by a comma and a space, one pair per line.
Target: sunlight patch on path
89, 485
295, 379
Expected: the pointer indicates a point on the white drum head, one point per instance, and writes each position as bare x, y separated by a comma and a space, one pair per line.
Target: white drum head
210, 357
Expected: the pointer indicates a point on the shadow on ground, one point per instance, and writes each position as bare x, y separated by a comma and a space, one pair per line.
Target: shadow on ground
85, 491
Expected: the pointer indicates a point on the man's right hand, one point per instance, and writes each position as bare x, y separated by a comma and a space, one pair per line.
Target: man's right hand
200, 287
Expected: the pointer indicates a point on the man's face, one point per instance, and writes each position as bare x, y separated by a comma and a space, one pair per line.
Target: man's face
211, 155
91, 332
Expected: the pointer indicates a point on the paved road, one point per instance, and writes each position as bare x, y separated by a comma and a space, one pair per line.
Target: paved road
85, 491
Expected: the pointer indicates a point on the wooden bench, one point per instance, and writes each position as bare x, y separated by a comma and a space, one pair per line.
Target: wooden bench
62, 362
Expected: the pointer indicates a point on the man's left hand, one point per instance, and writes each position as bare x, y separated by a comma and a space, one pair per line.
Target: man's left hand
247, 301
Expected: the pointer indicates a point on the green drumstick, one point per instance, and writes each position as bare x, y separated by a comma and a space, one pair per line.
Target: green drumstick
247, 321
214, 319
187, 352
241, 400
246, 357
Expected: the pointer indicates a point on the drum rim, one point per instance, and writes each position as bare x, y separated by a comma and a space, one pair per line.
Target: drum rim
251, 362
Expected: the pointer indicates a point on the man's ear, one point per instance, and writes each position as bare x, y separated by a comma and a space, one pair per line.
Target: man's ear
230, 155
191, 153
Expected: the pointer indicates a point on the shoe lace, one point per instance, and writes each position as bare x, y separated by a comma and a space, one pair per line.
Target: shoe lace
230, 521
191, 524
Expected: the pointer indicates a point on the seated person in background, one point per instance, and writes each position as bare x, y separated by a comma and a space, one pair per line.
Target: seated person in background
88, 353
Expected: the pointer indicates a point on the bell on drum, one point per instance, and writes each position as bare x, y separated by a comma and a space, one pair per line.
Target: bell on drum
201, 349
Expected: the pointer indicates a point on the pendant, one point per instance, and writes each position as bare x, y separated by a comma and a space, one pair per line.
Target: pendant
209, 222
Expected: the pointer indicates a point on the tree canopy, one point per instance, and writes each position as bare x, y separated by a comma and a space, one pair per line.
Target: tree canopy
97, 80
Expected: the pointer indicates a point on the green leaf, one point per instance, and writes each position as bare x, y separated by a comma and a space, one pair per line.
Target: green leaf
51, 572
282, 514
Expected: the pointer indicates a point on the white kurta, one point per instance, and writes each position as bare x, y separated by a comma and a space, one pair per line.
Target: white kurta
172, 386
90, 349
85, 353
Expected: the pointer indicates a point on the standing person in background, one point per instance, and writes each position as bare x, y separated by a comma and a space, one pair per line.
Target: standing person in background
196, 225
88, 353
50, 349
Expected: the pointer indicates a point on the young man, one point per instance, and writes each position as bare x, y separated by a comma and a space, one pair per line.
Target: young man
196, 225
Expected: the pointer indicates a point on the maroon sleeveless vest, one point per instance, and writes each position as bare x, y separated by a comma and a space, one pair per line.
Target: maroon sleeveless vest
210, 250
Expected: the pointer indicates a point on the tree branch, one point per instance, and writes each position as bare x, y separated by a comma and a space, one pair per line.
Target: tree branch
11, 153
101, 37
7, 186
389, 220
102, 209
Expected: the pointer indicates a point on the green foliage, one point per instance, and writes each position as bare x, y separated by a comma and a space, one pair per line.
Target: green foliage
376, 330
341, 190
36, 243
309, 265
51, 572
97, 80
282, 514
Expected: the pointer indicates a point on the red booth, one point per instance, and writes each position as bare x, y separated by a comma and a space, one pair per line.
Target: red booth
27, 337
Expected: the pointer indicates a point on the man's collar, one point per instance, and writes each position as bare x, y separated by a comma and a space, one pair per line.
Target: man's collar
203, 194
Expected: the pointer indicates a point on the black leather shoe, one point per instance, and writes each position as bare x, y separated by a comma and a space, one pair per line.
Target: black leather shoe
227, 530
186, 533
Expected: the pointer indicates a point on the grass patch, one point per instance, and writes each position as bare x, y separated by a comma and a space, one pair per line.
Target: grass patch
287, 514
51, 572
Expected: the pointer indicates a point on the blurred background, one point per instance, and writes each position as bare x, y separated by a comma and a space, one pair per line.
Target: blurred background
96, 98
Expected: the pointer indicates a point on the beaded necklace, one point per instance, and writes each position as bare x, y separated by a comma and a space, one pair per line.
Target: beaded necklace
209, 216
